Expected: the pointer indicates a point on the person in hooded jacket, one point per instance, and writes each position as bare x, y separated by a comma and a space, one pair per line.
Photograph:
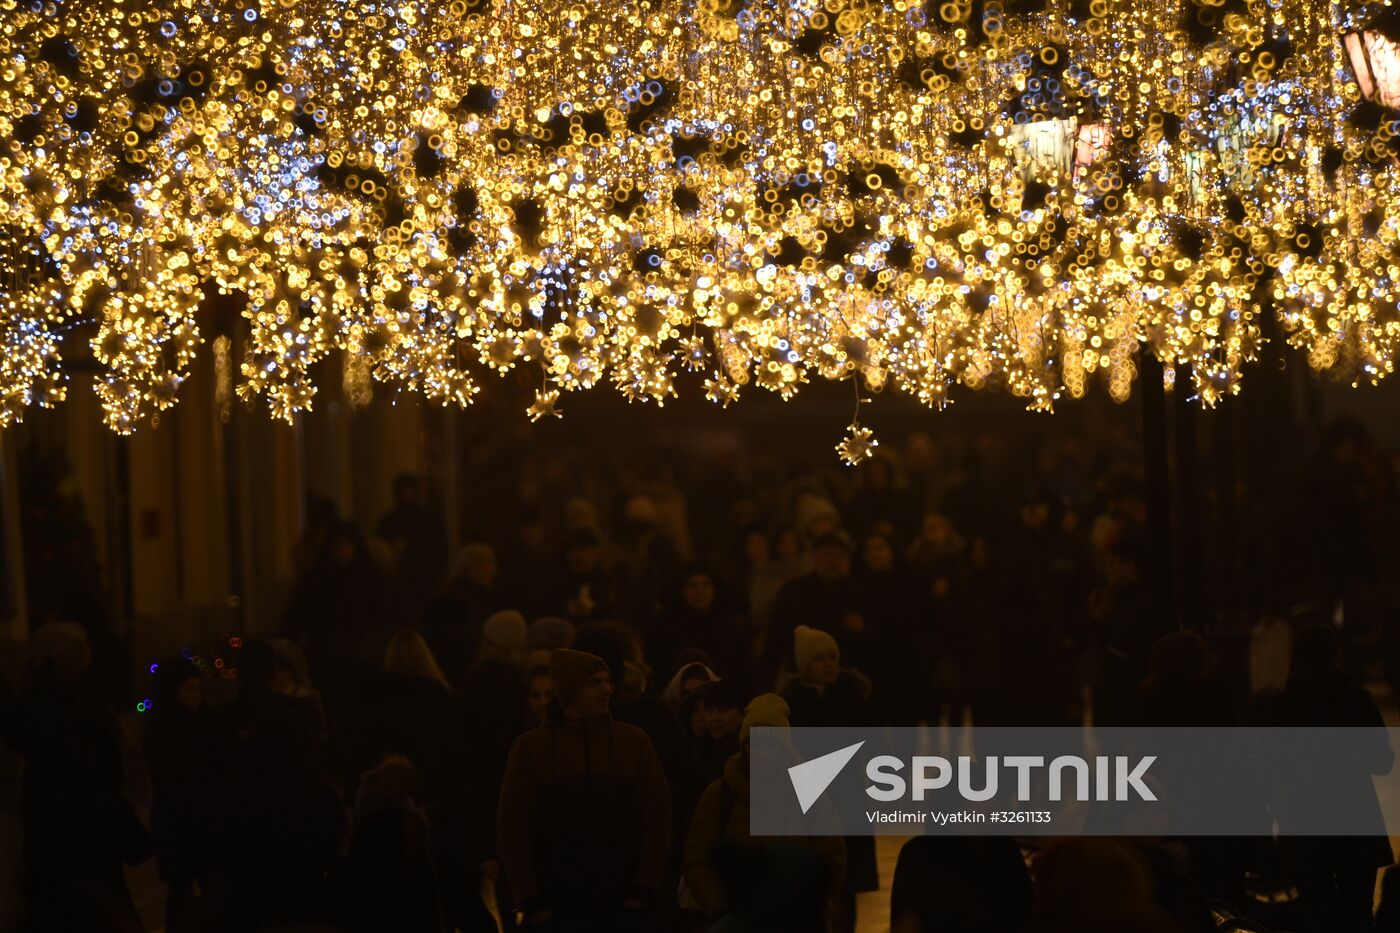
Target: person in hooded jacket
177, 758
823, 693
617, 645
689, 678
584, 820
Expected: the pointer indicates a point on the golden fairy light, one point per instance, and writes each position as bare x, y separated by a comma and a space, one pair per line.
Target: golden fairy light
1013, 194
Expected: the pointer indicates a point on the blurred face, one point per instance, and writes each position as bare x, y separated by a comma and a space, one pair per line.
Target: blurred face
407, 494
699, 720
593, 698
1069, 523
482, 569
343, 549
698, 591
831, 561
755, 547
583, 558
935, 530
1118, 571
721, 722
1133, 508
1035, 515
541, 692
787, 545
532, 536
879, 556
824, 668
191, 693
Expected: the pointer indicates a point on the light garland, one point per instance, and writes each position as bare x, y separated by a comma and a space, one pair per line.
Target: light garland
1016, 194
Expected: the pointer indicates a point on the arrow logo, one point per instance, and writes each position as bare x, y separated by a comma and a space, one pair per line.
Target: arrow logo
811, 778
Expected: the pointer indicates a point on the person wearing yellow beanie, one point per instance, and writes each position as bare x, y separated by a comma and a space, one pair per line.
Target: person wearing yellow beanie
812, 644
720, 825
823, 693
766, 710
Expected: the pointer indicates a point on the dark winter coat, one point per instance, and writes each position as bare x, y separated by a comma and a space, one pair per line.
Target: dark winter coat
418, 718
278, 828
178, 757
720, 634
584, 819
719, 843
388, 880
1328, 698
809, 600
844, 703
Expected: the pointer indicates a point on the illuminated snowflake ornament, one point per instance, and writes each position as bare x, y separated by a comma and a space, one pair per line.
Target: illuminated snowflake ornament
858, 445
721, 391
545, 400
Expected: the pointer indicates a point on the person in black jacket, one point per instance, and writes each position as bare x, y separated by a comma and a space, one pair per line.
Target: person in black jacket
900, 636
78, 828
453, 620
177, 758
387, 880
823, 693
697, 617
826, 599
410, 710
337, 613
960, 884
1336, 876
278, 827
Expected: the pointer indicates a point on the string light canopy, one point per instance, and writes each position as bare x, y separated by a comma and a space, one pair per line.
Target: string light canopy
1020, 194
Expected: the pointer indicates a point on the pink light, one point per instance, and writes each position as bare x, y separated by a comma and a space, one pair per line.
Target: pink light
1091, 145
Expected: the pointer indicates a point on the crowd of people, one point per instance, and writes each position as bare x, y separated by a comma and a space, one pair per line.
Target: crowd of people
549, 730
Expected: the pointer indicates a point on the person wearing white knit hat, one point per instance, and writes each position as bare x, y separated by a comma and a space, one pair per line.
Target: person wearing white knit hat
817, 655
506, 630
